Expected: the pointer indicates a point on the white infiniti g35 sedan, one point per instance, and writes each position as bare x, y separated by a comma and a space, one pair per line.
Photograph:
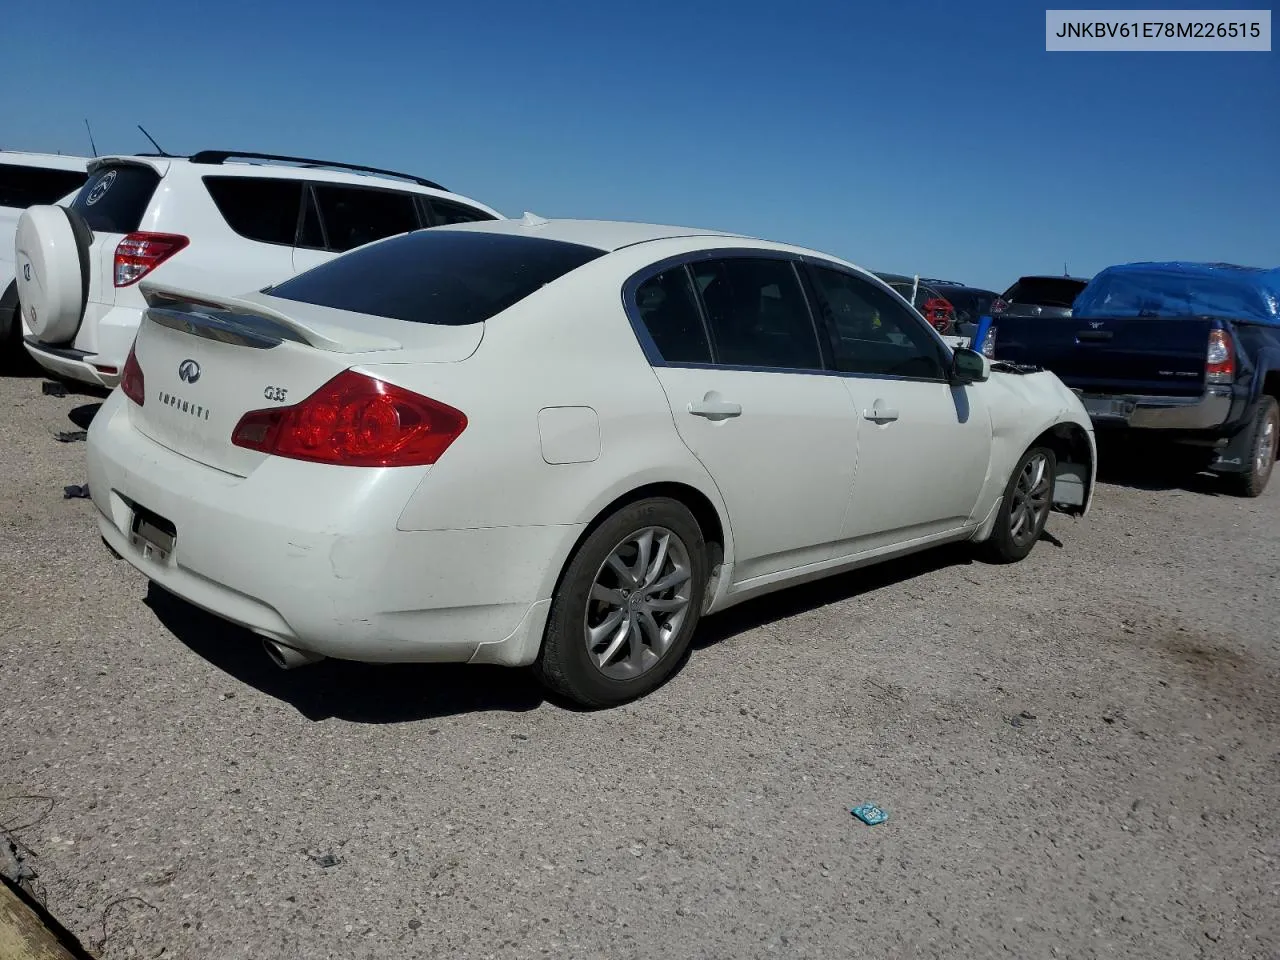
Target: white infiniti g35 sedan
558, 444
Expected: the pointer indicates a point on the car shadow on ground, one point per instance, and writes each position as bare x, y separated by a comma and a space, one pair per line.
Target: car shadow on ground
1145, 466
397, 693
339, 689
83, 415
793, 601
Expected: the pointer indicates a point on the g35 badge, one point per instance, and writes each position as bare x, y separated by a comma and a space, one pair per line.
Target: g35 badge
275, 394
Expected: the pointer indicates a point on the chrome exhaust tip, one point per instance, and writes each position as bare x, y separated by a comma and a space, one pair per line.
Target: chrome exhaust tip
286, 657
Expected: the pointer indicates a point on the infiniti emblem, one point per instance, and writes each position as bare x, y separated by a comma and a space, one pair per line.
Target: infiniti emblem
188, 371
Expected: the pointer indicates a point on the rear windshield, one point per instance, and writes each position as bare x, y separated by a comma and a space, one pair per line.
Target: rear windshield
1045, 291
448, 277
115, 198
23, 187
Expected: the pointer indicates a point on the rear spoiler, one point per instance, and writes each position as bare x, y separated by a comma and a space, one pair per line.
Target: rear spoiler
322, 336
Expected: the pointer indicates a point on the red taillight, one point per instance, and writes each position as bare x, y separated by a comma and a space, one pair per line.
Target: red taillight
132, 383
140, 253
355, 421
1220, 363
998, 306
939, 312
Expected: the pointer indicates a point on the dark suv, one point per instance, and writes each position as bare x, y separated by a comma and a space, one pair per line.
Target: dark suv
950, 307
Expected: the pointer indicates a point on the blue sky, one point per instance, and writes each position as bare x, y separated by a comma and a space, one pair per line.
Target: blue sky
936, 137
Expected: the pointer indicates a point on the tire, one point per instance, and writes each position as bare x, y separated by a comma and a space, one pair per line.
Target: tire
1028, 498
14, 358
606, 642
10, 342
1262, 451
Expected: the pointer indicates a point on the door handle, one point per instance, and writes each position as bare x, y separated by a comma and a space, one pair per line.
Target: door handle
713, 408
880, 413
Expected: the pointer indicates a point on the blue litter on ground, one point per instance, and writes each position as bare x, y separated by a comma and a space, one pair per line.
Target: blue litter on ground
870, 814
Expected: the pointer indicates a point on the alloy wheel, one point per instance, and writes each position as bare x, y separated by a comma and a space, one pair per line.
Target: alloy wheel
639, 600
1031, 495
1267, 446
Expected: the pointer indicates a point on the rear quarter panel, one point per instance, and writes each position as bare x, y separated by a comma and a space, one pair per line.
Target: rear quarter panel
569, 345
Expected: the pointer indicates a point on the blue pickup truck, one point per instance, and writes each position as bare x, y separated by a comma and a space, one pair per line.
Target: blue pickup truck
1187, 352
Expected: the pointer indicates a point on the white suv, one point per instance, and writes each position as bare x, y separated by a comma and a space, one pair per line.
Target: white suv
216, 221
27, 179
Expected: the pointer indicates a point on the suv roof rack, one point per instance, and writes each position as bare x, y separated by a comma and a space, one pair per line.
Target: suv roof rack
221, 156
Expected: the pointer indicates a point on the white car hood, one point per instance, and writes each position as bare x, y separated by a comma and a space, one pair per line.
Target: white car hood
1021, 401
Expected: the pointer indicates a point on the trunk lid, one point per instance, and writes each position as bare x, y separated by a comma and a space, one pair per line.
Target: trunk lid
208, 361
1155, 356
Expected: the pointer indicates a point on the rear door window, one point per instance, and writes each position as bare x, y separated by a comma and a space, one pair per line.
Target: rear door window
114, 199
669, 312
448, 277
354, 216
757, 313
23, 186
446, 212
259, 209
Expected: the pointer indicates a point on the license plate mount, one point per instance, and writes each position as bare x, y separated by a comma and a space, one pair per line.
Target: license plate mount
152, 534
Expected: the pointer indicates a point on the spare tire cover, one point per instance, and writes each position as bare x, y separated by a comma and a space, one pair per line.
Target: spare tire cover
51, 277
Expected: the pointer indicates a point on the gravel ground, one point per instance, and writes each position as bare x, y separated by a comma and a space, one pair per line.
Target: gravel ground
1079, 753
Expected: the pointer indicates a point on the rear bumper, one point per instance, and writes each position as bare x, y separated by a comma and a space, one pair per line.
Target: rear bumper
73, 364
1210, 411
101, 346
323, 569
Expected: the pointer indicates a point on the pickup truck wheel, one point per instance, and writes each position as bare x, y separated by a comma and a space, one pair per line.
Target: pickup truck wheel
1028, 498
1262, 451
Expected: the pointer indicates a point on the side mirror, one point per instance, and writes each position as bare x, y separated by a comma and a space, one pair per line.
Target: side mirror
969, 366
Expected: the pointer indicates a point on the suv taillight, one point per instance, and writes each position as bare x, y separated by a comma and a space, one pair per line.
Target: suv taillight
132, 383
139, 253
356, 421
1220, 364
998, 306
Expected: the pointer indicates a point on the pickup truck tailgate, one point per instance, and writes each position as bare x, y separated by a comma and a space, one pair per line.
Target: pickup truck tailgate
1152, 356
